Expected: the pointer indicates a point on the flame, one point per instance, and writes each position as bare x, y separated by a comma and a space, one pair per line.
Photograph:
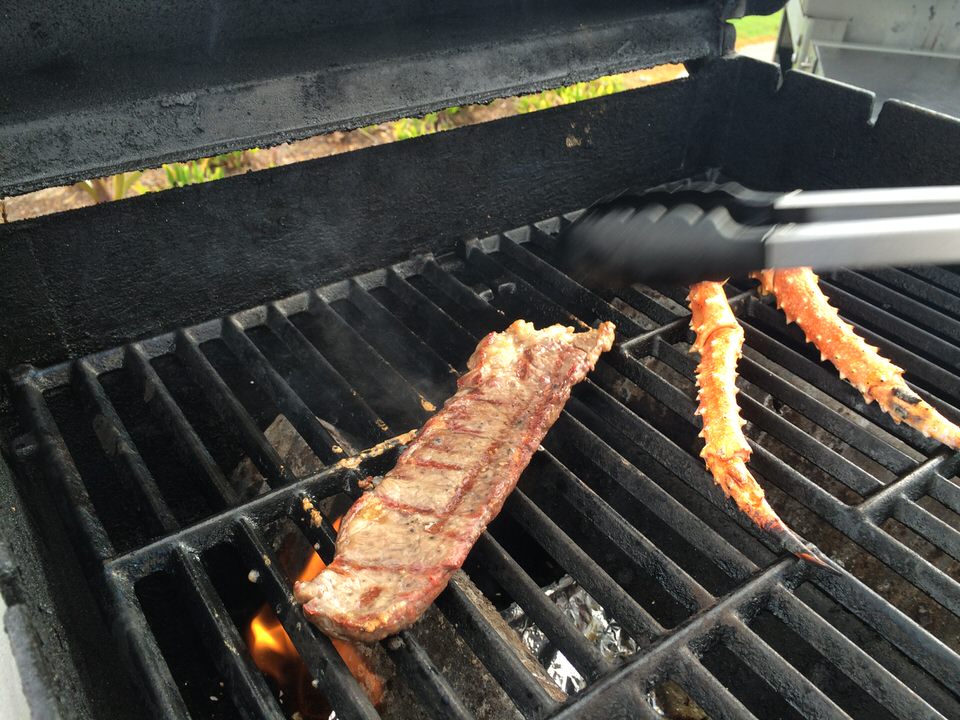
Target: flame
274, 653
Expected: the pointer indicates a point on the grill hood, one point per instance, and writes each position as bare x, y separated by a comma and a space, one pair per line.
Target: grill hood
99, 88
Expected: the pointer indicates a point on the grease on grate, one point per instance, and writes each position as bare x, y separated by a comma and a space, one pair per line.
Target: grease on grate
671, 701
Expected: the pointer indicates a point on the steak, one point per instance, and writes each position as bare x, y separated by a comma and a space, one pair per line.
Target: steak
399, 544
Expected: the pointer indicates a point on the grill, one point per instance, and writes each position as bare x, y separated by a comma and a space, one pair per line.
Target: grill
165, 475
616, 499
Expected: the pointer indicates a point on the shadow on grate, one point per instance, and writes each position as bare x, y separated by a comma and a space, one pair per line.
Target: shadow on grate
276, 413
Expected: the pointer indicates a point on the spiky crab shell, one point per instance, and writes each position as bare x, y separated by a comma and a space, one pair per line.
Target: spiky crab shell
798, 294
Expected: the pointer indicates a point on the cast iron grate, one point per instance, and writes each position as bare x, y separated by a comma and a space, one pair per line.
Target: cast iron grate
617, 499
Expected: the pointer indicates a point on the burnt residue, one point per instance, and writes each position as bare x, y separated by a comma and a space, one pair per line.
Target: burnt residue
907, 412
470, 679
901, 412
906, 396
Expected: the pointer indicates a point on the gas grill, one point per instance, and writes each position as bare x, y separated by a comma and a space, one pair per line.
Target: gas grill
152, 345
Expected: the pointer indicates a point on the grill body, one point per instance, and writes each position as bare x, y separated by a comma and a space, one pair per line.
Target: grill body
617, 499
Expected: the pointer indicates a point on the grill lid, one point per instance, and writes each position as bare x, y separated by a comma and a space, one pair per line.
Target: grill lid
109, 87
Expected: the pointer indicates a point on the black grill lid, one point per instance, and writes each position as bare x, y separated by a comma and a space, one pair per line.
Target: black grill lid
93, 88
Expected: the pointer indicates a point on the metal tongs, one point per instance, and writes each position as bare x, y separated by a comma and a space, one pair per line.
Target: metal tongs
691, 231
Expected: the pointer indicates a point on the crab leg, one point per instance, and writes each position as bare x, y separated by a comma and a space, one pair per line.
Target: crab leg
719, 339
799, 296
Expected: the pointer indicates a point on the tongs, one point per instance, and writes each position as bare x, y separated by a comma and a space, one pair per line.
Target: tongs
692, 231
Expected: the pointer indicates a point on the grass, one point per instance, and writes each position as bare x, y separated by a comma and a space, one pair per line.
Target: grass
753, 27
193, 172
431, 122
177, 175
445, 119
572, 93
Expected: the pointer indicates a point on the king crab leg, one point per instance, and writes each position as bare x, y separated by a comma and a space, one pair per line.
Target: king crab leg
798, 294
719, 340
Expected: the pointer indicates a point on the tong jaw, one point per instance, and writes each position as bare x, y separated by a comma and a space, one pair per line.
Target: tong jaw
681, 232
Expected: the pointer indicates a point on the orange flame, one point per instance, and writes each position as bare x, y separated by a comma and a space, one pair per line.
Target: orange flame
275, 655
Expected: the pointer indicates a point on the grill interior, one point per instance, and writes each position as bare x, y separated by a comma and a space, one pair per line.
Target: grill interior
138, 445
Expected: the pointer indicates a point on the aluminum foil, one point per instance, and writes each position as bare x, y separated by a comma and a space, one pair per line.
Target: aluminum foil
588, 617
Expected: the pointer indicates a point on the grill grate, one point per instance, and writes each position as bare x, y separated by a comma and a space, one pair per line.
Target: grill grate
618, 499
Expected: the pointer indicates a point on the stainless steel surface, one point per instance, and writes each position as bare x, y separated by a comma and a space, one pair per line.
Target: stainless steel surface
891, 23
897, 50
871, 203
866, 243
931, 81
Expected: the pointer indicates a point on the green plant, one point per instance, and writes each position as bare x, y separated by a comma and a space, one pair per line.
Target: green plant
758, 26
431, 122
232, 161
569, 94
193, 172
116, 187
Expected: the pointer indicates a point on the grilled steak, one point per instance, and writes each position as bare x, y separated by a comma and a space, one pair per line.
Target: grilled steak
399, 544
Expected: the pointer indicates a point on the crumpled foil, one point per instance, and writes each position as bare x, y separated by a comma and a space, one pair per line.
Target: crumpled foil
588, 617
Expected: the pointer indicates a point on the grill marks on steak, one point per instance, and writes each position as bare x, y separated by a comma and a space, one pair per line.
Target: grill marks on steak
399, 544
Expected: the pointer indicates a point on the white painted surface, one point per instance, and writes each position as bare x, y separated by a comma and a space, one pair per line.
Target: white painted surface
13, 705
930, 25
